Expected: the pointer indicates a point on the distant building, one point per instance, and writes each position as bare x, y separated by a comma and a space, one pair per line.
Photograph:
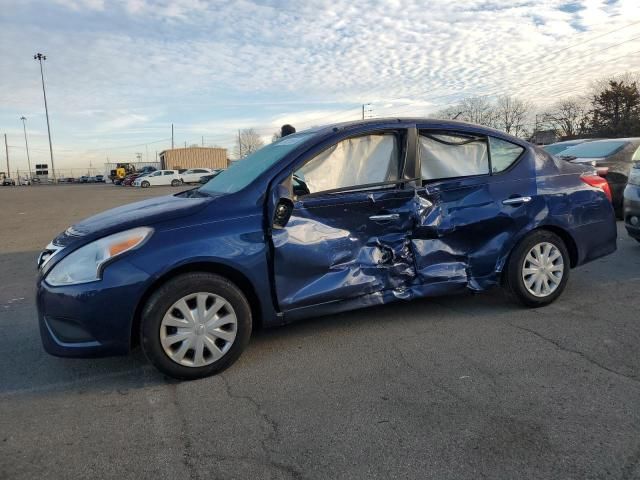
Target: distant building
194, 157
544, 137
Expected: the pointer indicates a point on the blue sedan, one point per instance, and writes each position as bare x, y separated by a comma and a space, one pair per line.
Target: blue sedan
322, 221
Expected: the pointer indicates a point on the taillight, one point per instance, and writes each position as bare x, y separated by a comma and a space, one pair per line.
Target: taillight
597, 182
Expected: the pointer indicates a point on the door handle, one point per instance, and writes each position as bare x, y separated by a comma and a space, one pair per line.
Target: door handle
385, 217
516, 200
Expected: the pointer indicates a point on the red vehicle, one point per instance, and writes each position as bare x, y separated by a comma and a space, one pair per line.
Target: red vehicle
128, 180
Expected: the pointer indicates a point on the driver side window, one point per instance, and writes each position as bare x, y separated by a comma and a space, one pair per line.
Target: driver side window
353, 162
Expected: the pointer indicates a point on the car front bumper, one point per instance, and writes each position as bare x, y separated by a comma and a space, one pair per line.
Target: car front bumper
91, 319
631, 210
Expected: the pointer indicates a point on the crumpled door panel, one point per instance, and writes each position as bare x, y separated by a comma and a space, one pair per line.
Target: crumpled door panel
452, 239
331, 250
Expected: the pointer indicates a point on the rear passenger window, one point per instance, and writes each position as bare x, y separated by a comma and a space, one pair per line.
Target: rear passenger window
449, 155
503, 154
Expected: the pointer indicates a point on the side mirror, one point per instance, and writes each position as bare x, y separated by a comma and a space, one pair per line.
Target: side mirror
282, 213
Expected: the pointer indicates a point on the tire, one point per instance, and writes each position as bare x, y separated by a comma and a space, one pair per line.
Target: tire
549, 243
145, 184
156, 336
176, 183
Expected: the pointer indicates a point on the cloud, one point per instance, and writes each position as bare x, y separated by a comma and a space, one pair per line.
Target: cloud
214, 65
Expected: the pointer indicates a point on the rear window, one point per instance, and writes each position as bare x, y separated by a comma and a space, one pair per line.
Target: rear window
594, 149
555, 148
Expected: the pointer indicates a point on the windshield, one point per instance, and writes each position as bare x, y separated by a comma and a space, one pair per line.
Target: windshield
594, 149
242, 172
556, 148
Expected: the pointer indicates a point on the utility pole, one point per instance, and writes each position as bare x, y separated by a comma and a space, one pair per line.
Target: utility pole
40, 57
6, 149
365, 110
172, 136
239, 146
26, 143
203, 140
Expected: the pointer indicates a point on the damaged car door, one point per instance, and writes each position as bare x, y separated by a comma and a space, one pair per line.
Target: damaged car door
477, 195
346, 238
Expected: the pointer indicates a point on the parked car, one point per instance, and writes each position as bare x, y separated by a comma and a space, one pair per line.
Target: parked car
613, 155
7, 181
205, 178
322, 221
193, 175
159, 177
558, 147
84, 179
632, 201
100, 178
129, 179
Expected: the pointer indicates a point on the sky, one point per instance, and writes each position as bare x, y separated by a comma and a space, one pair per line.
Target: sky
119, 72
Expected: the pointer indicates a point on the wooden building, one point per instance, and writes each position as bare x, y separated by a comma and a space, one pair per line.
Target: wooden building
194, 157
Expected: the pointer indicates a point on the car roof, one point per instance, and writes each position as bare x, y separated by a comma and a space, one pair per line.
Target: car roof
571, 142
386, 122
626, 139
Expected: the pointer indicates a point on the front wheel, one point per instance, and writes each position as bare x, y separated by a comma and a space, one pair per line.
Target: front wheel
145, 184
538, 269
195, 325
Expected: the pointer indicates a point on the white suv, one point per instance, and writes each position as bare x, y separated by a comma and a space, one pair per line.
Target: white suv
159, 177
193, 175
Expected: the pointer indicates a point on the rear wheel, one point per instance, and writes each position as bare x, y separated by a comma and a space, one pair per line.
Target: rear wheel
195, 325
176, 183
538, 269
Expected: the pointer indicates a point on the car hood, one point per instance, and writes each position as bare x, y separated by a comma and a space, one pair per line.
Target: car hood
145, 212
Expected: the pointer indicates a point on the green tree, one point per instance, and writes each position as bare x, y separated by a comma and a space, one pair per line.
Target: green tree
616, 110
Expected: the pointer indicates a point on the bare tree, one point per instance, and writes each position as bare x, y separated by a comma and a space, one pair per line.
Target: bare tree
512, 113
449, 113
248, 142
276, 136
478, 110
569, 117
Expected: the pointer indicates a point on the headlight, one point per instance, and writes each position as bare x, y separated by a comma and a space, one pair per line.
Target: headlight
84, 264
634, 175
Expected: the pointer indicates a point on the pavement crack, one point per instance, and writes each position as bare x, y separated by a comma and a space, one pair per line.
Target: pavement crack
271, 434
630, 466
187, 447
592, 361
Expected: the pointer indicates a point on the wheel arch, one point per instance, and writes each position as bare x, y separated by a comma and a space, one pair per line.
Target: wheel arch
234, 275
565, 236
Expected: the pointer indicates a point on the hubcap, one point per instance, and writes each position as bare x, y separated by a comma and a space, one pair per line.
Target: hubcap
542, 269
198, 329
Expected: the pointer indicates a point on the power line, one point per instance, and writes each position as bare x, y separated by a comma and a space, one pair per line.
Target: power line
555, 52
519, 87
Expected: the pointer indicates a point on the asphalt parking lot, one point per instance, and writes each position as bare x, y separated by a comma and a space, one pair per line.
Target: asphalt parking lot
471, 386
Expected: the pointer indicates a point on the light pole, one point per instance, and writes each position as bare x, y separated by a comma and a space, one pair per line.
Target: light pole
40, 57
26, 144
